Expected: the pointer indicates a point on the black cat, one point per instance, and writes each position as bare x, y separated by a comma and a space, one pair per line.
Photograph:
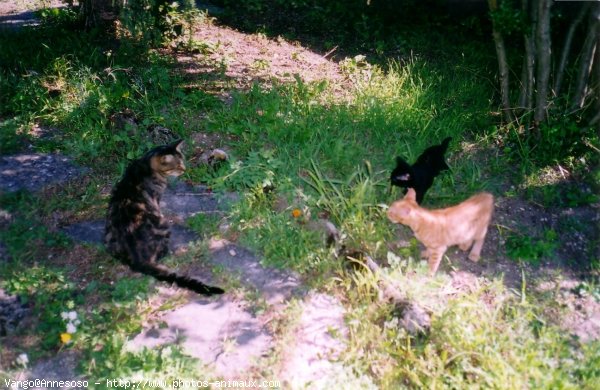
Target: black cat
136, 231
421, 174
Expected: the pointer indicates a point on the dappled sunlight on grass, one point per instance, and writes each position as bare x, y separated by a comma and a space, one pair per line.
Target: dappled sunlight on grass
310, 142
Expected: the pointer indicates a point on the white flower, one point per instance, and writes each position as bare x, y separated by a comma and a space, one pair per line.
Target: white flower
22, 359
76, 322
71, 328
64, 315
391, 324
72, 315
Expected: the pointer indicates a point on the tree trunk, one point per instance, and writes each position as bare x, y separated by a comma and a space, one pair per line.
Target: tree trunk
502, 68
527, 75
587, 58
100, 13
567, 48
544, 52
504, 76
528, 8
524, 84
596, 91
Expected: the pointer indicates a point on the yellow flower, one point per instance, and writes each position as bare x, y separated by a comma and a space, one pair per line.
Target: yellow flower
296, 213
65, 338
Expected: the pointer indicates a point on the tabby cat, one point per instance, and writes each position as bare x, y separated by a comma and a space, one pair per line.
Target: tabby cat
136, 231
464, 225
421, 174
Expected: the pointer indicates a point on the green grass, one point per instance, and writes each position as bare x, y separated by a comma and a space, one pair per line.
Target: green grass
294, 148
531, 249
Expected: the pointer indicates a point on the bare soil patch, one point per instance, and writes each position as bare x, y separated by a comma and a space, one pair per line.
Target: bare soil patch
229, 338
233, 60
32, 171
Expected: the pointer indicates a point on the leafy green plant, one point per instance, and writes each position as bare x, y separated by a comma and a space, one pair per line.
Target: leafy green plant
509, 18
165, 365
284, 243
257, 171
203, 223
127, 290
49, 293
25, 238
352, 205
12, 136
530, 249
60, 16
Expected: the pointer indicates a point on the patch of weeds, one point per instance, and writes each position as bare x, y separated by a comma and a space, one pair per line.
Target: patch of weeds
27, 239
12, 137
78, 199
127, 290
199, 174
166, 365
588, 289
106, 319
204, 223
531, 249
562, 193
49, 293
352, 205
282, 240
472, 344
257, 171
588, 371
197, 46
575, 197
195, 254
408, 252
260, 65
357, 68
482, 338
62, 17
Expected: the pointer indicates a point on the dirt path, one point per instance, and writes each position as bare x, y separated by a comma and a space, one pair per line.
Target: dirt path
21, 13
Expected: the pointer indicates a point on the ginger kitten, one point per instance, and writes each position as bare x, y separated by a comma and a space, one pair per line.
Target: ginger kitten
464, 225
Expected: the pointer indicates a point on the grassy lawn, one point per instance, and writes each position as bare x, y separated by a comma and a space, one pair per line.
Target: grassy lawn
299, 151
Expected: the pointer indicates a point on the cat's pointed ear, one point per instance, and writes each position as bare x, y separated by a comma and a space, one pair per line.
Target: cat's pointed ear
411, 194
445, 143
178, 145
401, 163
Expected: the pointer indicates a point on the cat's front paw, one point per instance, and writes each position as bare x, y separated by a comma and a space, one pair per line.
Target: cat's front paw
474, 257
465, 246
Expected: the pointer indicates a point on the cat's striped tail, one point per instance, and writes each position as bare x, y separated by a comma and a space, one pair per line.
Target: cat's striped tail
164, 274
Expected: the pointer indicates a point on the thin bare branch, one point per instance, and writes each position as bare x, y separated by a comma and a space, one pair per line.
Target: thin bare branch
544, 52
567, 47
587, 58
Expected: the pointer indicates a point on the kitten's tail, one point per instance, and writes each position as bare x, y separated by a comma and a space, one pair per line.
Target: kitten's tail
164, 274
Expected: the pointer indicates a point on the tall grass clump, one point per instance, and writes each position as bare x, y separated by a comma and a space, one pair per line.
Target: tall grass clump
484, 338
332, 156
